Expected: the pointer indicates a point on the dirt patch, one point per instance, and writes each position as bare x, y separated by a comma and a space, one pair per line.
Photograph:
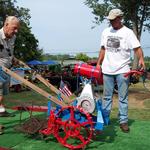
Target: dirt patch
136, 98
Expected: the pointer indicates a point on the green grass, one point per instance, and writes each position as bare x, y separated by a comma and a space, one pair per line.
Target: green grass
147, 103
27, 96
111, 138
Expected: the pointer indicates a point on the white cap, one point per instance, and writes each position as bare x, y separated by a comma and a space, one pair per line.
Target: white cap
114, 13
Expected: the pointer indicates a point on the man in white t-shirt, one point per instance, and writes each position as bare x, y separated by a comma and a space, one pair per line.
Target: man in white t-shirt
117, 42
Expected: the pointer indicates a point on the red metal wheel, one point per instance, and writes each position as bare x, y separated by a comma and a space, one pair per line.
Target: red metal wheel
52, 126
77, 127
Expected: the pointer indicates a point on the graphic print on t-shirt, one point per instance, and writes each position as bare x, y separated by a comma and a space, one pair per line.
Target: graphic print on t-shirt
113, 44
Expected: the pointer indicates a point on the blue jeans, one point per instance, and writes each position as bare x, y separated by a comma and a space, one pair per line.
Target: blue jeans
4, 82
123, 84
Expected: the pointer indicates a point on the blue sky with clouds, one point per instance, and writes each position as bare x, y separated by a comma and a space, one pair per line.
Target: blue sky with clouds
64, 26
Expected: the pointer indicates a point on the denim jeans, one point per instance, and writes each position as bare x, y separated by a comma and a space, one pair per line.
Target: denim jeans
4, 82
123, 84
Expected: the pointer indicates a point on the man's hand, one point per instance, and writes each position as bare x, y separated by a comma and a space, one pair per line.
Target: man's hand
142, 64
98, 66
15, 62
139, 52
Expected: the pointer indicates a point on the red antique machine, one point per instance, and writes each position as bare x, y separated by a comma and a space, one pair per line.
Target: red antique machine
70, 122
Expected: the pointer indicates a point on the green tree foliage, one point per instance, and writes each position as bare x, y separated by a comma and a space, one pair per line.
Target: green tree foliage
6, 8
147, 62
147, 58
82, 57
136, 14
26, 46
56, 57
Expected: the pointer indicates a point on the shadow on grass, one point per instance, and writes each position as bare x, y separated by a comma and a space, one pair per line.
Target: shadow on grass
108, 135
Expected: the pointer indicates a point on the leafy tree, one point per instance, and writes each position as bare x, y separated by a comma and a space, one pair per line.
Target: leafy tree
82, 57
147, 58
147, 62
26, 47
136, 14
56, 57
6, 8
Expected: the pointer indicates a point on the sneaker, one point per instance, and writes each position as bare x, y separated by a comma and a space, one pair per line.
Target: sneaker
6, 114
2, 109
124, 127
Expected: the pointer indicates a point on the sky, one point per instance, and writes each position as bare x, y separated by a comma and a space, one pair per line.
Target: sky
65, 27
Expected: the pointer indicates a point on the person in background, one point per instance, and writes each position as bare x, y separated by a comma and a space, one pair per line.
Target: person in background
7, 40
117, 41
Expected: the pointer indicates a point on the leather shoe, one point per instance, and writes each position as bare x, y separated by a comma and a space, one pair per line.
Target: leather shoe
124, 127
6, 114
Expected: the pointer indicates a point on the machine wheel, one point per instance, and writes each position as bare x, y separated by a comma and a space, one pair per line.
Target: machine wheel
77, 127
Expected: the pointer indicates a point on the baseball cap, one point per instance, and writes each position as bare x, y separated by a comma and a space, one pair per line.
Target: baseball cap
114, 13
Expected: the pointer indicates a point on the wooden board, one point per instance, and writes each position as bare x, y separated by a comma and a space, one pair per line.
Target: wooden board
34, 87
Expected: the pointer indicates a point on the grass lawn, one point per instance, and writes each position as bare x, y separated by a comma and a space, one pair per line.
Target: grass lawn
111, 138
